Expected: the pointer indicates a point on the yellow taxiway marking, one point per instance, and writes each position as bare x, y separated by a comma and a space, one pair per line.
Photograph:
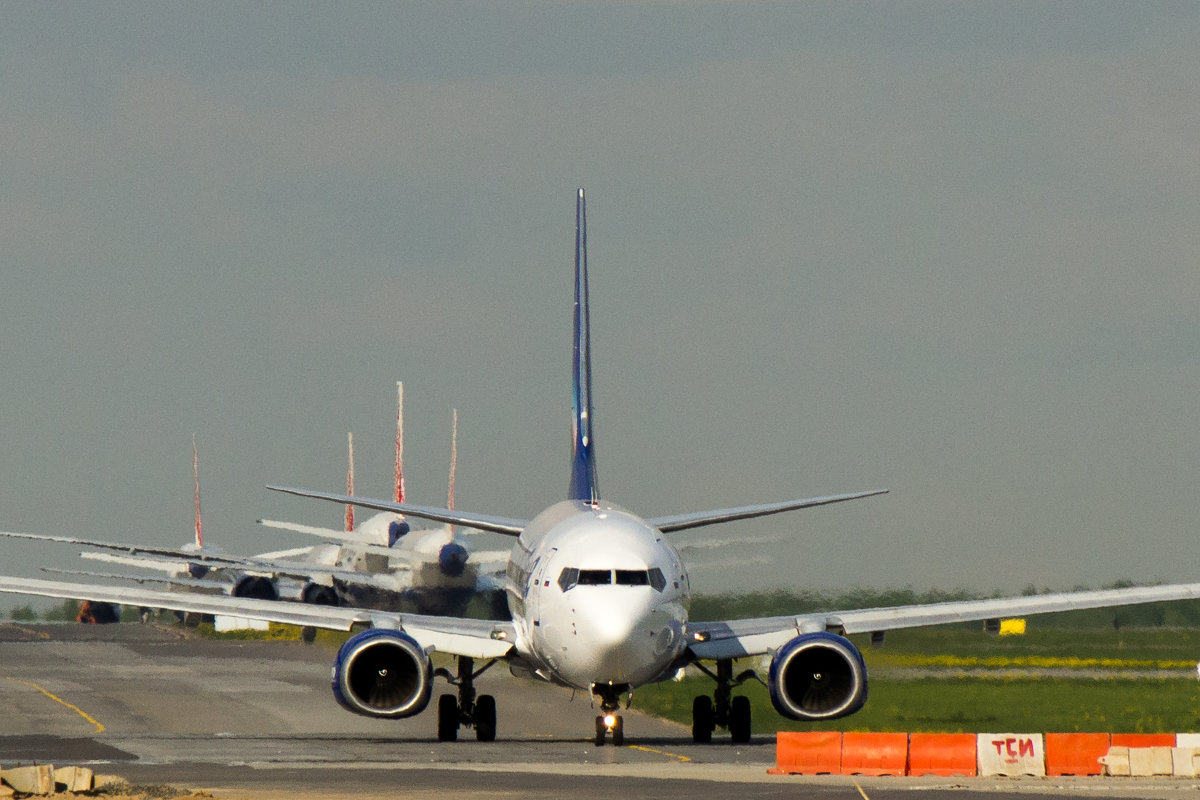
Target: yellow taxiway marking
76, 709
659, 752
26, 631
860, 790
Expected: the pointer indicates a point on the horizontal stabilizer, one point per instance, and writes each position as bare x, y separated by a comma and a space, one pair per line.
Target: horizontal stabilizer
697, 519
504, 525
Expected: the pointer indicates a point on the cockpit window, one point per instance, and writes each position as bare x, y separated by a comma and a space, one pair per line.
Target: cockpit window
571, 577
568, 578
594, 577
632, 577
657, 580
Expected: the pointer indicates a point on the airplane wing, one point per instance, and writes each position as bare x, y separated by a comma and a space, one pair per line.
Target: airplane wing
696, 519
461, 637
750, 637
329, 534
192, 583
132, 549
268, 563
142, 562
484, 522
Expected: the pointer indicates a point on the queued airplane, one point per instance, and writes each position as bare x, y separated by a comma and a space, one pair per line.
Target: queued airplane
599, 602
380, 564
433, 570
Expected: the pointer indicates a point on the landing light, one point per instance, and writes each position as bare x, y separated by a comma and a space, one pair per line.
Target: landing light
610, 720
501, 635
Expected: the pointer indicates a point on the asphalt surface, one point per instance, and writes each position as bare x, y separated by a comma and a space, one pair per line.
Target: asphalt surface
257, 720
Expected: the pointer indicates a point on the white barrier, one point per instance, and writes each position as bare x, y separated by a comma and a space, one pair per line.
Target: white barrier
1011, 754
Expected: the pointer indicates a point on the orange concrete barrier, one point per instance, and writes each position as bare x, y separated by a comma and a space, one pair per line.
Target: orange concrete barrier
808, 752
1075, 753
1143, 740
942, 754
874, 753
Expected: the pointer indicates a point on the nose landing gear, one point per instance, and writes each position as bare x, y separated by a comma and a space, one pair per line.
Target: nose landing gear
610, 723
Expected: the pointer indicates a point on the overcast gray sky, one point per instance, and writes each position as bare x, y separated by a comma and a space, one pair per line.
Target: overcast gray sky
949, 249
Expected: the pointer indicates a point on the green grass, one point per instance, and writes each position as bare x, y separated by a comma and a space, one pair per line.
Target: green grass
974, 705
945, 701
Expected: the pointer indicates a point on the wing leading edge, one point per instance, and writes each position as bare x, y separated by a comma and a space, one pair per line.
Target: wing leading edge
484, 522
462, 637
750, 637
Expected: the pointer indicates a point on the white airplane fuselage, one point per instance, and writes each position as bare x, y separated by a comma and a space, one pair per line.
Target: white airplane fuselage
598, 596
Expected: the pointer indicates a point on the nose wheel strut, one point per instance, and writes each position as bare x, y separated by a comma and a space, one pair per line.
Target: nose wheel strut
610, 725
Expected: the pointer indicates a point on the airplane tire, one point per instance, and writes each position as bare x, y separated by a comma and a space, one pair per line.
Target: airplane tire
702, 719
739, 720
485, 718
447, 718
601, 732
618, 732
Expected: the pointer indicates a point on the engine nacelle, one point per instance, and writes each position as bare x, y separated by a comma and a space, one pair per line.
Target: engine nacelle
818, 676
382, 673
319, 595
256, 587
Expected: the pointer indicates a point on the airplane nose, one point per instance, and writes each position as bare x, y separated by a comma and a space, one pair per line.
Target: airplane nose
452, 559
612, 629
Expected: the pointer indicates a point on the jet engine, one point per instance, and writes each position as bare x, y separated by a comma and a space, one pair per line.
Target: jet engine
256, 587
319, 595
382, 673
452, 560
818, 676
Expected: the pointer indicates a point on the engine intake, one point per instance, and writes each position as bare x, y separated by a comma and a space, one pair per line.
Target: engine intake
256, 587
382, 673
818, 676
319, 595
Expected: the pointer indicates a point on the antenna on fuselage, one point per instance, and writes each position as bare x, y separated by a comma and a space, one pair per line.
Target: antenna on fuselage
583, 468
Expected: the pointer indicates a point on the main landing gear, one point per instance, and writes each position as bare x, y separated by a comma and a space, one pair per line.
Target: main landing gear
466, 710
722, 709
610, 723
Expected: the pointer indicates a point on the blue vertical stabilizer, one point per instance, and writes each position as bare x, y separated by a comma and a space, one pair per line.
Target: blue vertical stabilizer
583, 465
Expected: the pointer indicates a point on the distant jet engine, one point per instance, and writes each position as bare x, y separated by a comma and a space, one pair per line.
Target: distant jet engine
382, 673
818, 676
256, 587
95, 613
320, 595
452, 560
397, 530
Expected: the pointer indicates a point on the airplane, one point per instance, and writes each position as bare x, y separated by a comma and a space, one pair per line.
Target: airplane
433, 570
599, 602
380, 564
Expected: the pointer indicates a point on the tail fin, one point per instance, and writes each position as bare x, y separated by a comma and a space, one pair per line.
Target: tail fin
350, 482
583, 468
453, 464
399, 495
399, 527
196, 480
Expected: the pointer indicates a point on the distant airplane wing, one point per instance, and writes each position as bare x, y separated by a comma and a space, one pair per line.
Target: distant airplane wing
164, 558
328, 534
749, 637
132, 549
696, 519
484, 522
462, 637
191, 583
